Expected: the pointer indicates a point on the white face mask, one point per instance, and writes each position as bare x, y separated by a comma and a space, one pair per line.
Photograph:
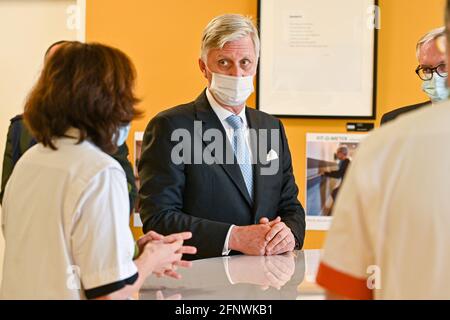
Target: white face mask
231, 91
123, 132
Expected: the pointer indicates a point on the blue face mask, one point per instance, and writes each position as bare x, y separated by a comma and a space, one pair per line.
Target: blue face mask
122, 134
436, 88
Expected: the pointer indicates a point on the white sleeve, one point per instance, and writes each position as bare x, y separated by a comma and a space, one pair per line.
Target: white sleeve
3, 220
226, 265
102, 243
4, 209
226, 251
348, 248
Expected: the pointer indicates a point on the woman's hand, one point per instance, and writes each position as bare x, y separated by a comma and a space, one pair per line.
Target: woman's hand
167, 251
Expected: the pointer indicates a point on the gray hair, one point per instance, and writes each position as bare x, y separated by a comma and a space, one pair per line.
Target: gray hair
432, 35
343, 150
226, 28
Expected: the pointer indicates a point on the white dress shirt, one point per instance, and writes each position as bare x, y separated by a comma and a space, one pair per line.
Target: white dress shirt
223, 114
66, 223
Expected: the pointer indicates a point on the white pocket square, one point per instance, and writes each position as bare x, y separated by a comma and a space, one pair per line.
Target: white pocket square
272, 155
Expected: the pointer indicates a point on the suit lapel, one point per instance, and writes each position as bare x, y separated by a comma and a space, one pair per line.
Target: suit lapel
209, 119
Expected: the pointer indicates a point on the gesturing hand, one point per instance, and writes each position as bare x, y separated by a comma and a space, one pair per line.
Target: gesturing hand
159, 245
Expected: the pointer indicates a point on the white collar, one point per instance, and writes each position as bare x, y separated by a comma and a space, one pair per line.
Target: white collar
221, 112
72, 133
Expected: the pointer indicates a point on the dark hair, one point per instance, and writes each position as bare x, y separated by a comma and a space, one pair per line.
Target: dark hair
53, 45
83, 86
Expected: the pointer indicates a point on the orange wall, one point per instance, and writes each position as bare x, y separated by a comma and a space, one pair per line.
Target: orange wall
163, 40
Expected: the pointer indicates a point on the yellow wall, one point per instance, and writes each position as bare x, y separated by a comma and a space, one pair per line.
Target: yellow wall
163, 36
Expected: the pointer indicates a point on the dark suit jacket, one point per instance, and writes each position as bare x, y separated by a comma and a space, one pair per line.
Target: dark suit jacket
397, 112
208, 199
340, 173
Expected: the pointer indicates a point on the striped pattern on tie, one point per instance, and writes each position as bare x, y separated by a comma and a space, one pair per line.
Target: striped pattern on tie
242, 151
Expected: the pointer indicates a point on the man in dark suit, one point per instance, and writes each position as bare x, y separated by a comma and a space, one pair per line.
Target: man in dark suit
344, 162
432, 70
238, 194
392, 115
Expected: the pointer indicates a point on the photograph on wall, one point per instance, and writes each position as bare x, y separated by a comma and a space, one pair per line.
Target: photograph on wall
328, 156
137, 156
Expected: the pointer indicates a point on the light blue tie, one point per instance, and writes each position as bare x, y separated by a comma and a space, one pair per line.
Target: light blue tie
242, 151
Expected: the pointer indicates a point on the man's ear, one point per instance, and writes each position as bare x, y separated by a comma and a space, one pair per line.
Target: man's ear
202, 66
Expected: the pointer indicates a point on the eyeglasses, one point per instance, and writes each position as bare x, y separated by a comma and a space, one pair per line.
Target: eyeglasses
426, 73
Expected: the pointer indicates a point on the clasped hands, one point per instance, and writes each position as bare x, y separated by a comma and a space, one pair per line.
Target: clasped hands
266, 238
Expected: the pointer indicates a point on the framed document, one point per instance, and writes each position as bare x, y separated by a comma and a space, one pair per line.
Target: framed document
318, 58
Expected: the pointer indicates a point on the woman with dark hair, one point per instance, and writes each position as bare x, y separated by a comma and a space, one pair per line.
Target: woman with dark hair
67, 234
19, 140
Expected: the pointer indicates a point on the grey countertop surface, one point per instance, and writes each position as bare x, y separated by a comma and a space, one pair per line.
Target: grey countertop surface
286, 277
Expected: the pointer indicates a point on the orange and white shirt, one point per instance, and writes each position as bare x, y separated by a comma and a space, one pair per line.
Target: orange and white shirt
390, 237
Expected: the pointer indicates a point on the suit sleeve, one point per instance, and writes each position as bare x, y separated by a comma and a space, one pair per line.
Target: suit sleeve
162, 190
387, 117
8, 164
122, 157
339, 174
289, 208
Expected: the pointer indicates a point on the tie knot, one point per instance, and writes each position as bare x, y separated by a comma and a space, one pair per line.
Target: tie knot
235, 121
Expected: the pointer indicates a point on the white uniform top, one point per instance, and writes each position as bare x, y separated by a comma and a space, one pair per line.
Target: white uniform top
66, 213
392, 216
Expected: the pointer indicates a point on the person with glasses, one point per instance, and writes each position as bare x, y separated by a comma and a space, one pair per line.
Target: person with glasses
432, 70
389, 237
